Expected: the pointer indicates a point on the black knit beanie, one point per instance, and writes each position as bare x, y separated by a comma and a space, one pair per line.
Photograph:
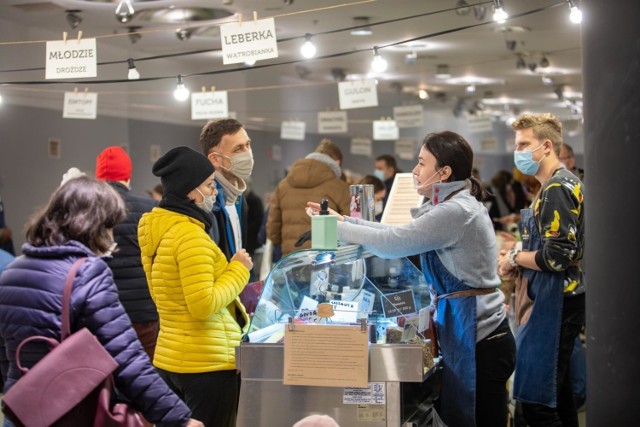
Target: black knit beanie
181, 170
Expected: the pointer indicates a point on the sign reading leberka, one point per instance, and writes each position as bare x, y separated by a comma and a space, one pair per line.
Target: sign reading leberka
248, 40
71, 59
80, 105
358, 94
209, 105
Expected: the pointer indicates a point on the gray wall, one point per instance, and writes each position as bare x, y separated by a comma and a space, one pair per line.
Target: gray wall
28, 175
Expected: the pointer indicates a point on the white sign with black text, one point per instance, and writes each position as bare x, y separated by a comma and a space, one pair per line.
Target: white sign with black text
71, 59
80, 105
358, 94
293, 130
209, 105
385, 130
408, 116
248, 40
405, 149
361, 146
478, 124
332, 122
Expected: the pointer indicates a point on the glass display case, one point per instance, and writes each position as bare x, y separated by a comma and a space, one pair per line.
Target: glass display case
393, 298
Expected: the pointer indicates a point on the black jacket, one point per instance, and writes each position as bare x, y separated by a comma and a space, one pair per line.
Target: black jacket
126, 263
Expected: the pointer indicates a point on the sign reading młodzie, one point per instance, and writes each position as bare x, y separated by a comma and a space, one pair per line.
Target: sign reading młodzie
71, 59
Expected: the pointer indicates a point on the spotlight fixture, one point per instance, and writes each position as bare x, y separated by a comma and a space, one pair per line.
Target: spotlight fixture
134, 36
462, 8
181, 93
470, 89
559, 91
442, 71
423, 94
479, 12
133, 72
308, 49
124, 11
576, 14
532, 66
520, 63
379, 64
338, 74
511, 45
544, 62
73, 19
183, 34
499, 15
361, 24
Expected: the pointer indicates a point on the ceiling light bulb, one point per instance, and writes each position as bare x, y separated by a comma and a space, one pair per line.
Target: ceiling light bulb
379, 64
471, 88
181, 93
423, 94
133, 72
308, 49
500, 16
575, 15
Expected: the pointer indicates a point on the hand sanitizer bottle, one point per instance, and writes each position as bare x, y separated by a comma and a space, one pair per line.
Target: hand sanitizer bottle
324, 228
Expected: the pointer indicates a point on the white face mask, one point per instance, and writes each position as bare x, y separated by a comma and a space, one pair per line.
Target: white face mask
423, 189
241, 164
207, 203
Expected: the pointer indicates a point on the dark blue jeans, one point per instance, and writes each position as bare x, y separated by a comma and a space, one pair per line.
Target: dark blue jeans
495, 361
564, 414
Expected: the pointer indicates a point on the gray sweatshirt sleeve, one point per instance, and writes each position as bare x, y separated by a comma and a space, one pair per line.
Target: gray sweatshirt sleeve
440, 227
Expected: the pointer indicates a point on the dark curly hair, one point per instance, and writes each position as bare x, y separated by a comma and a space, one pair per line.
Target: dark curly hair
83, 209
214, 130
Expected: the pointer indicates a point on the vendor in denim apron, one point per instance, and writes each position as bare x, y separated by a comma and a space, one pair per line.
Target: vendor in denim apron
454, 236
550, 284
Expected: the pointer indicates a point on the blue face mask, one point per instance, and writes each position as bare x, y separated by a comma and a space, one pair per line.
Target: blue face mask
378, 173
525, 163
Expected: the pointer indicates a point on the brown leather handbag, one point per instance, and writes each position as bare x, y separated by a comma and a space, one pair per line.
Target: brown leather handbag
71, 385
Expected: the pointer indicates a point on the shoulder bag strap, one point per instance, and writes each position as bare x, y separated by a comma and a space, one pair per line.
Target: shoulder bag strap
66, 298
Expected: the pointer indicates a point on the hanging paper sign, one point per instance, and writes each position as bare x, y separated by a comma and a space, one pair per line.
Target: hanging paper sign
292, 130
408, 116
72, 59
358, 94
332, 122
209, 105
80, 105
361, 146
249, 40
479, 124
405, 149
385, 130
489, 143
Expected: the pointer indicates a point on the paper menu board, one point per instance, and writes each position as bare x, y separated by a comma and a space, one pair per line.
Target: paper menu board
402, 198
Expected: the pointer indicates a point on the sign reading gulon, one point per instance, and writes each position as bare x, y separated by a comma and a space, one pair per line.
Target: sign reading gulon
248, 40
358, 94
71, 59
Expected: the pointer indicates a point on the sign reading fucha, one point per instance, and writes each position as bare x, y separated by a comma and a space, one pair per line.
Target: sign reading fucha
71, 59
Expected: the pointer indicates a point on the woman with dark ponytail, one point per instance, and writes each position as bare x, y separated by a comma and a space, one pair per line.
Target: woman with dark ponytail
454, 236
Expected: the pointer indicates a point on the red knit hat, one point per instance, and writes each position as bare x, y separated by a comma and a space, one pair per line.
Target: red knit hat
113, 164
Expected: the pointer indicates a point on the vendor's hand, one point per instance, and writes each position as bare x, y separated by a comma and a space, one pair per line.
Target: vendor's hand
194, 423
505, 269
313, 209
243, 256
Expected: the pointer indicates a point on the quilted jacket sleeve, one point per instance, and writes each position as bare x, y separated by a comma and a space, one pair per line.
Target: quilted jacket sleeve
96, 306
209, 283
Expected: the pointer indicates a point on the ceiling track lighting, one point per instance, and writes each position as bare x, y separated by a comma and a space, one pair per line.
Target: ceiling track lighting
379, 64
124, 11
576, 14
544, 62
442, 71
520, 63
511, 45
532, 67
133, 73
183, 34
181, 93
73, 19
308, 49
462, 8
499, 15
338, 74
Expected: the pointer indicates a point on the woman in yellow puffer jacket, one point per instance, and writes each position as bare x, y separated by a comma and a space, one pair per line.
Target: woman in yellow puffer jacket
195, 289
